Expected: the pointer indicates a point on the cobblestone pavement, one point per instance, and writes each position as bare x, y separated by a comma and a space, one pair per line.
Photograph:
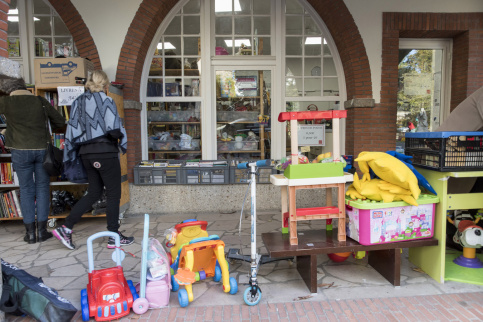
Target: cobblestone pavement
350, 290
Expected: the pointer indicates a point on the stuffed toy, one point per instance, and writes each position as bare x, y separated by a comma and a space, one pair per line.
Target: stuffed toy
379, 190
389, 169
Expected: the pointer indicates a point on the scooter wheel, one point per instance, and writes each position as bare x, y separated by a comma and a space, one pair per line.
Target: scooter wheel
252, 300
140, 306
183, 298
233, 286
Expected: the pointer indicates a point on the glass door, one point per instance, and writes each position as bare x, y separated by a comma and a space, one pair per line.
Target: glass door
243, 114
422, 88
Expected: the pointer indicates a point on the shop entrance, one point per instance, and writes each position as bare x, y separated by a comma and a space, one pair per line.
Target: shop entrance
423, 86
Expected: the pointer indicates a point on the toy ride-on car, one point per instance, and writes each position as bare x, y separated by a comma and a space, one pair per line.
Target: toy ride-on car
196, 256
108, 295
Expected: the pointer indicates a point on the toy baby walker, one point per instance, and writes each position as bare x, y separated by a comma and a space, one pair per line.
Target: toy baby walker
108, 295
470, 236
196, 256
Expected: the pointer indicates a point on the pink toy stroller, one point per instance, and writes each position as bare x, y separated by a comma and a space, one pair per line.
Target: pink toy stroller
158, 277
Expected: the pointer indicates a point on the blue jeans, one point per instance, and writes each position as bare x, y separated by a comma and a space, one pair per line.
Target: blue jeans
34, 184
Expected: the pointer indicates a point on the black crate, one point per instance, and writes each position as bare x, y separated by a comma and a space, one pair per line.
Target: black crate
204, 174
243, 175
158, 172
446, 151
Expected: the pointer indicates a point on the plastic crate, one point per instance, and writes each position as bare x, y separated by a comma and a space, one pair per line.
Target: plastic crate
242, 175
204, 174
159, 172
446, 151
171, 145
143, 175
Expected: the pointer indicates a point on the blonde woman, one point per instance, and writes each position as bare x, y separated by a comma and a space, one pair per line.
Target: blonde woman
95, 134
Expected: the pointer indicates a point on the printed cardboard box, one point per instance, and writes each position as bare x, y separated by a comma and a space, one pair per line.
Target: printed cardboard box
53, 72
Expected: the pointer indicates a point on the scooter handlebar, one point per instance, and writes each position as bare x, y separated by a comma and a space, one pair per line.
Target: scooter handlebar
259, 163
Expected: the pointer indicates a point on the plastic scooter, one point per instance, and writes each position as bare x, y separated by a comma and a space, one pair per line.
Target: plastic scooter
253, 294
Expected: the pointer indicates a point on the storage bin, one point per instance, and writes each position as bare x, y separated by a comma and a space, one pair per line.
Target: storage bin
242, 175
371, 222
171, 145
216, 174
162, 172
242, 116
446, 151
174, 116
233, 145
157, 293
143, 175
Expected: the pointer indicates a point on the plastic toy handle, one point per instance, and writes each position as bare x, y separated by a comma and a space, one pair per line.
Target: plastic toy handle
203, 225
259, 163
90, 255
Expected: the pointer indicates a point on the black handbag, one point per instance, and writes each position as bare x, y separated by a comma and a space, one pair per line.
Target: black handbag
26, 294
53, 162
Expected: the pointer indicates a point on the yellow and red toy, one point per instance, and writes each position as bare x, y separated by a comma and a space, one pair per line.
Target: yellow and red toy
195, 254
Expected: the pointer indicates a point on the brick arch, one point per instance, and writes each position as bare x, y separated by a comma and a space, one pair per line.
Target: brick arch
78, 29
151, 14
348, 40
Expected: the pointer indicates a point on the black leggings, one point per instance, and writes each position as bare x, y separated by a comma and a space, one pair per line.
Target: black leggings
100, 173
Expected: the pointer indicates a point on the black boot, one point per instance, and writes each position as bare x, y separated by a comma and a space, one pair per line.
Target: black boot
42, 233
30, 234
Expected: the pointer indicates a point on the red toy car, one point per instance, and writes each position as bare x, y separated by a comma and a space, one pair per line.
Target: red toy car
108, 295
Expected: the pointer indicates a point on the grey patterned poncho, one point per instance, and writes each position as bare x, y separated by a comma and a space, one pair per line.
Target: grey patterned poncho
92, 115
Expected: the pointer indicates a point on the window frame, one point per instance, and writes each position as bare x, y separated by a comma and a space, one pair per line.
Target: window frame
211, 62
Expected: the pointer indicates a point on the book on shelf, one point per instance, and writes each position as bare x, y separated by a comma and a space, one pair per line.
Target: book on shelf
16, 200
11, 205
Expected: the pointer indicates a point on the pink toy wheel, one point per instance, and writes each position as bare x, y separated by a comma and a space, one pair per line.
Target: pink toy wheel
140, 305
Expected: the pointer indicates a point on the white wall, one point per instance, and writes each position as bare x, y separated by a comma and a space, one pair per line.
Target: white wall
368, 17
108, 22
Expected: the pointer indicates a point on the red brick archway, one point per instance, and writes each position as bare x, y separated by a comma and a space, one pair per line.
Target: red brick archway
78, 29
151, 13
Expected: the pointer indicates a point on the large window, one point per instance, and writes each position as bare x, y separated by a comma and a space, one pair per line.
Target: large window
242, 27
249, 77
36, 30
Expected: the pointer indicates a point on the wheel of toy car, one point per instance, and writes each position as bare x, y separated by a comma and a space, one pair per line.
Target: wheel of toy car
174, 284
133, 290
84, 305
183, 298
140, 306
217, 276
233, 286
252, 300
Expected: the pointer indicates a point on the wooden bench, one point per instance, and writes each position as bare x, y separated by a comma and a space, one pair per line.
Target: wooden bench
384, 258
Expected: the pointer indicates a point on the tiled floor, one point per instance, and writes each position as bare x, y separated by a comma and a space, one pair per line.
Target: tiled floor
350, 290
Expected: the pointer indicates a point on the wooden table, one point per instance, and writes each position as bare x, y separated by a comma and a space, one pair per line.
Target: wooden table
384, 258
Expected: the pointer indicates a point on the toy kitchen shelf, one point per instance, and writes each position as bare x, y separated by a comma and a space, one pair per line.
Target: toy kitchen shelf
289, 186
434, 260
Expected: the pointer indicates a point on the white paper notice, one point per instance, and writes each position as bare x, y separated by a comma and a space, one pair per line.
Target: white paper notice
67, 94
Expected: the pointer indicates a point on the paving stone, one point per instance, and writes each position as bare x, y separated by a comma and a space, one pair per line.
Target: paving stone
71, 270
